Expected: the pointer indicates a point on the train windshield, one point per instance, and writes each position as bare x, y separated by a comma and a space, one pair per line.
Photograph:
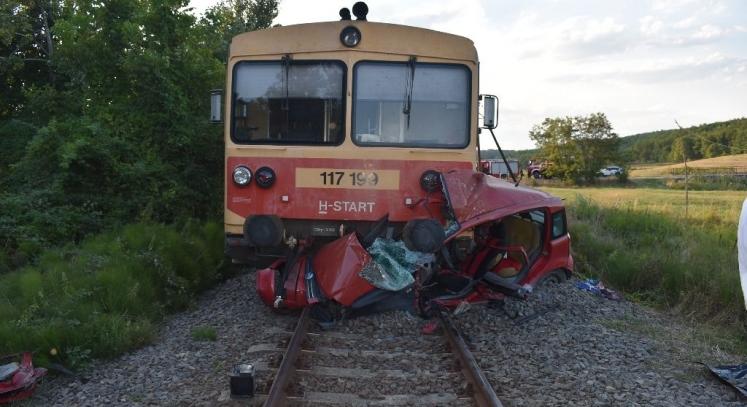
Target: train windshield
288, 102
411, 104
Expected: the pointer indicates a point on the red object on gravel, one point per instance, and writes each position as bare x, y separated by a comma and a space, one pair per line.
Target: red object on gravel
18, 381
430, 328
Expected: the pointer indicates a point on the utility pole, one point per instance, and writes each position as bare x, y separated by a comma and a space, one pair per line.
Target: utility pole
684, 156
686, 192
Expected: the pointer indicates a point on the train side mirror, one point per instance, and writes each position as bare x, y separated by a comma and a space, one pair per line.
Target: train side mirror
216, 99
489, 111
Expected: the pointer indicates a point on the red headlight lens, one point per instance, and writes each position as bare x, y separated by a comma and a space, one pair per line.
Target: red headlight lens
265, 177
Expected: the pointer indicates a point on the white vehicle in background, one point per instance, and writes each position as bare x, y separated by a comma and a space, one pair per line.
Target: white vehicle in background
611, 170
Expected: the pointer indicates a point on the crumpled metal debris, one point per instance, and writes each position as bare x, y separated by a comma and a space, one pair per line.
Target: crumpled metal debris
735, 375
18, 380
392, 264
595, 286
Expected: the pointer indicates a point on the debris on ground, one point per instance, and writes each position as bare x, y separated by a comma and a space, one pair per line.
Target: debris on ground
735, 375
429, 328
463, 307
595, 286
18, 380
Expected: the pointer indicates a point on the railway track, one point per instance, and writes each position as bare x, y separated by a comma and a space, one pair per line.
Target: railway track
332, 368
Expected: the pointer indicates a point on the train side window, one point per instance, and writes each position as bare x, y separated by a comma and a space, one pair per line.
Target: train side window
300, 102
559, 227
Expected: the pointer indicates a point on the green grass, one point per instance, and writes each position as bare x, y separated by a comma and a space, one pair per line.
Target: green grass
104, 296
204, 333
639, 241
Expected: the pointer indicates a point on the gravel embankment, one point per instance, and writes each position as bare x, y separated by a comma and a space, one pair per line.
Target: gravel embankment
585, 350
582, 350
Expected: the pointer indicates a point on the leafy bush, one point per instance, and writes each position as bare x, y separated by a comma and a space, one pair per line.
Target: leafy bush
112, 126
14, 136
103, 297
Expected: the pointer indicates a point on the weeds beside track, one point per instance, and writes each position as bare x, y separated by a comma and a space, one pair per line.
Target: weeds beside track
104, 296
640, 241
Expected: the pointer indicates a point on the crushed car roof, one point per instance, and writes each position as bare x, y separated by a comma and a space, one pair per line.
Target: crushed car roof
476, 197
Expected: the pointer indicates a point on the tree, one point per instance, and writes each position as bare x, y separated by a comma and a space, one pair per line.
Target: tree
703, 141
577, 146
26, 49
114, 127
231, 17
682, 147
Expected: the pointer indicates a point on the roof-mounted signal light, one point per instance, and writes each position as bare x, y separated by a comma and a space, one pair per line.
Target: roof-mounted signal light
350, 36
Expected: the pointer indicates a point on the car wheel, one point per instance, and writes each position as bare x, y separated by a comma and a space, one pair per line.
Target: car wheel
556, 276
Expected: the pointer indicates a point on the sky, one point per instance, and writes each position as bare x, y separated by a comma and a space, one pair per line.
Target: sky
644, 63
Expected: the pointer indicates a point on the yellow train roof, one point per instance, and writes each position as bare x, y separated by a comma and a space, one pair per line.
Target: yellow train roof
376, 38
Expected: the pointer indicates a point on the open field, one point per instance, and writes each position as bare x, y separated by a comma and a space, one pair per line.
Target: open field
716, 164
704, 206
639, 241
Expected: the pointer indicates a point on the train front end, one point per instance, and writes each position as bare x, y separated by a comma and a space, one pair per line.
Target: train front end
331, 127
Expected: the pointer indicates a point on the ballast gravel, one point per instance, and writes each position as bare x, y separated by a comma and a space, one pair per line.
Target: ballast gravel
560, 347
564, 346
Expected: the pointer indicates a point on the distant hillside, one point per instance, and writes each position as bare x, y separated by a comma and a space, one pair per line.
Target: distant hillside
720, 164
703, 141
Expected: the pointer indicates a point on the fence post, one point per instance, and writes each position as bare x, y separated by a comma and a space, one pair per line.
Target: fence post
684, 155
687, 197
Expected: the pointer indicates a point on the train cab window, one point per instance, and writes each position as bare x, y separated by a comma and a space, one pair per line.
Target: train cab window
288, 102
411, 104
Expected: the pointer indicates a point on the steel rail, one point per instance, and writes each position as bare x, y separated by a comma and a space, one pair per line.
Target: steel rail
277, 396
483, 391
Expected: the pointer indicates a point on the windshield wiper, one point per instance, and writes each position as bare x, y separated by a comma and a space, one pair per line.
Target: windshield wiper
409, 85
285, 62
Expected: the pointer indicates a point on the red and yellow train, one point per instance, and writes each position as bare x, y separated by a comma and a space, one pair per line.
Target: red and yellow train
369, 128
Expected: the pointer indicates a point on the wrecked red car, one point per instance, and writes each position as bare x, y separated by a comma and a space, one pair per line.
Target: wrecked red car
490, 240
18, 379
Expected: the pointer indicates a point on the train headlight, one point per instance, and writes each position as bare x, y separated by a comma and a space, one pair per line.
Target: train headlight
430, 181
242, 175
350, 36
265, 177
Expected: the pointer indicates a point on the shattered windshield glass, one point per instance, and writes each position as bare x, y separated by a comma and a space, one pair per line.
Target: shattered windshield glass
288, 102
411, 104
